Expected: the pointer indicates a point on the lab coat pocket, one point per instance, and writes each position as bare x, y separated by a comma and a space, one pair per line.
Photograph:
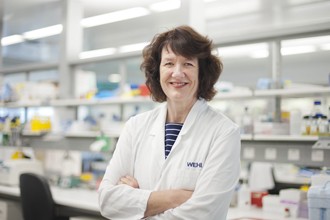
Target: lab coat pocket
187, 179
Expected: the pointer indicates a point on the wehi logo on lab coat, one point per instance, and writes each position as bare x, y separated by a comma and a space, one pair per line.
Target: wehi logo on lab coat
194, 164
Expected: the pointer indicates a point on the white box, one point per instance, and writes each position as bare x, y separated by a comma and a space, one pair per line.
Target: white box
12, 169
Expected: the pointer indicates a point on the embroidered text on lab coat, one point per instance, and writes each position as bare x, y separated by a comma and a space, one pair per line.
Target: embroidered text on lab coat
194, 164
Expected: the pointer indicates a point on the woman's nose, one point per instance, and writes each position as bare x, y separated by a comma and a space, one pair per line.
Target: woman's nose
178, 71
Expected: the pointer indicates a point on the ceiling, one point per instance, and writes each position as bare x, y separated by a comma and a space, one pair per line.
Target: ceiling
225, 19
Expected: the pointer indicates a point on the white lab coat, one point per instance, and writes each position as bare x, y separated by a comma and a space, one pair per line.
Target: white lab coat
204, 158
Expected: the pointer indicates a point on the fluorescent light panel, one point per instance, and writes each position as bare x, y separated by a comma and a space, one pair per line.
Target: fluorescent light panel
232, 8
258, 54
43, 32
306, 41
13, 39
114, 17
97, 53
132, 47
165, 6
325, 46
241, 50
110, 51
297, 50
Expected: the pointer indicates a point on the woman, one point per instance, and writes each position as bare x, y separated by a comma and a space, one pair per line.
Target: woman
180, 160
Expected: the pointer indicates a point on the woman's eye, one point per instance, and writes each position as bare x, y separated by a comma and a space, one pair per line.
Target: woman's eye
168, 64
189, 64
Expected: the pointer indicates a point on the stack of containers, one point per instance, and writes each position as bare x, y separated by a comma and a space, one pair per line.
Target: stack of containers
270, 204
319, 198
293, 203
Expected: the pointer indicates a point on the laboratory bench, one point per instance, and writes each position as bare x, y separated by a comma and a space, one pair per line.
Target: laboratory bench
255, 213
85, 201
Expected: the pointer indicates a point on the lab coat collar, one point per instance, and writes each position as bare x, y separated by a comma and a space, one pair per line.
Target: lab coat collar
195, 112
199, 106
158, 130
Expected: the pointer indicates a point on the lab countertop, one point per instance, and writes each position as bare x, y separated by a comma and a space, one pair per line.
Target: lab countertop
88, 200
76, 198
256, 214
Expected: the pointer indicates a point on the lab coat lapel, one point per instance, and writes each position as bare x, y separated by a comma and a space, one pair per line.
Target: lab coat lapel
158, 133
192, 116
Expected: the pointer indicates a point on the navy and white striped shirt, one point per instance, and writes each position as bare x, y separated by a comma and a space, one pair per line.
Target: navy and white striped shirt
172, 131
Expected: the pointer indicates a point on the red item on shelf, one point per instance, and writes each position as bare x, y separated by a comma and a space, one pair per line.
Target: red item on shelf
256, 198
144, 91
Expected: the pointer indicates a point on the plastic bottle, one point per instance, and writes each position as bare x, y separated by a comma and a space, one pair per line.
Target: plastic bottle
295, 122
247, 122
244, 196
317, 109
67, 171
323, 126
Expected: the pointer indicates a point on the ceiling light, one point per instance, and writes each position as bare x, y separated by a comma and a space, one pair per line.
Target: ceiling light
97, 53
114, 17
232, 8
132, 47
325, 47
259, 54
165, 5
13, 39
242, 50
297, 50
306, 41
43, 32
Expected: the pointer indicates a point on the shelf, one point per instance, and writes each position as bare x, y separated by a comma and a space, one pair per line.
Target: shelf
85, 134
30, 67
25, 103
246, 137
260, 137
33, 133
234, 95
90, 134
294, 92
115, 100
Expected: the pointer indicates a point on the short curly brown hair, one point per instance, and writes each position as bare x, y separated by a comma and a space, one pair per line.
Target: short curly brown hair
184, 41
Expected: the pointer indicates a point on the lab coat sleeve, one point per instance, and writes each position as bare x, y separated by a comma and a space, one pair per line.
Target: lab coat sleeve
122, 201
216, 183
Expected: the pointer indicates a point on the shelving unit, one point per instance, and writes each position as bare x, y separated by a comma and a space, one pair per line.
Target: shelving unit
255, 147
285, 93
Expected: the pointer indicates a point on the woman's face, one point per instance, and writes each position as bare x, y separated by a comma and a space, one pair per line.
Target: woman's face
178, 76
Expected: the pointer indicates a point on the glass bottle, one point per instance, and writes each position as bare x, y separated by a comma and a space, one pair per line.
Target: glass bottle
306, 125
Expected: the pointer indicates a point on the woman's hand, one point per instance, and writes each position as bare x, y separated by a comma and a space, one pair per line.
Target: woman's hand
129, 180
160, 201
